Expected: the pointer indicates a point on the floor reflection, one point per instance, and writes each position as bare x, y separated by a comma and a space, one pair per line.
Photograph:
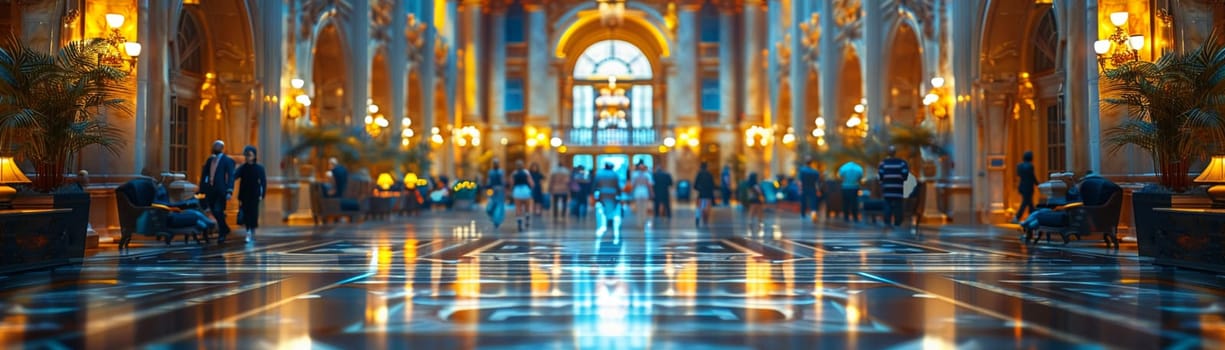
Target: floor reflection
450, 282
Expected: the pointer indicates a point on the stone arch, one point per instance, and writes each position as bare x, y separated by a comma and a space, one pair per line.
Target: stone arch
329, 76
579, 29
905, 78
850, 88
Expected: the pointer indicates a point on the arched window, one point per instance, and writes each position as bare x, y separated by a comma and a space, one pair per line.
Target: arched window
515, 25
1045, 43
189, 44
709, 23
612, 57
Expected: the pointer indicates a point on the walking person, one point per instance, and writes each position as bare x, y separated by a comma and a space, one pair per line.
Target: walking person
608, 193
252, 185
851, 174
893, 173
1028, 181
578, 195
559, 188
521, 192
643, 186
725, 179
217, 185
704, 184
810, 189
539, 201
663, 200
495, 181
752, 199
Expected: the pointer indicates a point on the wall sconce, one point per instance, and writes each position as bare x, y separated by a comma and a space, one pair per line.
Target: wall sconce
934, 99
120, 45
789, 137
436, 136
819, 131
375, 121
1119, 47
406, 131
468, 136
757, 136
856, 124
300, 103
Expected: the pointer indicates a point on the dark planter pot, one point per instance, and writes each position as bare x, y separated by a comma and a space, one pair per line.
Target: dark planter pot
1147, 222
48, 239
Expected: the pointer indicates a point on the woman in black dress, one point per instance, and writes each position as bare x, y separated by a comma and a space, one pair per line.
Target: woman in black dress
252, 186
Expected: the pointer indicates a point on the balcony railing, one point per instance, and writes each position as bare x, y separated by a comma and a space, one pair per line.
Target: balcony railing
611, 137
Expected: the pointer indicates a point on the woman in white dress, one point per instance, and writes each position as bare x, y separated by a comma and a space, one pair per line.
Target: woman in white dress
642, 182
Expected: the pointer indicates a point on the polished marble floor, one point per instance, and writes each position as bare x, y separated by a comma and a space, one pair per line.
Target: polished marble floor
449, 281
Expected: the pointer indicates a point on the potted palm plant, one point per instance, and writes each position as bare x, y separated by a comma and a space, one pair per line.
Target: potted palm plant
50, 103
1174, 108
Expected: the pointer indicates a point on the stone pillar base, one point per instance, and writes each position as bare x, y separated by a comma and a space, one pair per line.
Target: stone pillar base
957, 197
931, 206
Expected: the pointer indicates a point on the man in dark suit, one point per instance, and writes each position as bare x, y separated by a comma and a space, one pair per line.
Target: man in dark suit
663, 183
217, 185
341, 177
810, 180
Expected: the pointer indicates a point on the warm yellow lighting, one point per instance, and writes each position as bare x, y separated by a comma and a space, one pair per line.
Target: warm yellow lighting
369, 120
937, 82
562, 149
1119, 19
10, 173
788, 139
372, 108
1136, 42
818, 132
1214, 174
555, 142
820, 122
531, 142
303, 99
504, 141
669, 141
663, 149
385, 181
436, 139
132, 49
859, 108
406, 122
410, 180
1101, 47
853, 122
693, 142
297, 83
114, 20
930, 99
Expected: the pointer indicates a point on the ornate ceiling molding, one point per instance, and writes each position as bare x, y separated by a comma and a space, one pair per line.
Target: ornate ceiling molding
924, 12
848, 17
380, 19
810, 38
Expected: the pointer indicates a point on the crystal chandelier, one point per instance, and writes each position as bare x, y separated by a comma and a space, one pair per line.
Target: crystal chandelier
612, 104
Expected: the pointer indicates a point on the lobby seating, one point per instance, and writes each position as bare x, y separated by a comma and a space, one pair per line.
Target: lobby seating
332, 208
1099, 212
138, 214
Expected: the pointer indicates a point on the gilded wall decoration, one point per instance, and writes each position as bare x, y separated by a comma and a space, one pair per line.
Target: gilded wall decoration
314, 10
810, 37
924, 12
380, 19
848, 15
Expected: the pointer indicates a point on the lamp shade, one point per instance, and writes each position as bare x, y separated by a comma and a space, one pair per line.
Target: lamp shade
385, 181
131, 48
1119, 19
10, 173
1101, 46
1214, 173
114, 20
1136, 42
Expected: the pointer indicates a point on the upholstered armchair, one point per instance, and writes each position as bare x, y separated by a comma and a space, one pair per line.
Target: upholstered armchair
139, 214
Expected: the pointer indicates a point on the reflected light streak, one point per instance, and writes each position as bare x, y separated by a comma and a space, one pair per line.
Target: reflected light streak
539, 279
468, 279
300, 342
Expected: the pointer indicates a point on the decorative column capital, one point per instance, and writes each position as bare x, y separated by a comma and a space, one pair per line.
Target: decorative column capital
533, 5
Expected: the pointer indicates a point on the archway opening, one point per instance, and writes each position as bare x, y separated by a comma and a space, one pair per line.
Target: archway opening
330, 79
850, 95
904, 102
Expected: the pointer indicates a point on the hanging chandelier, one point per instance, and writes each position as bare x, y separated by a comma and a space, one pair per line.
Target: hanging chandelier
612, 12
612, 104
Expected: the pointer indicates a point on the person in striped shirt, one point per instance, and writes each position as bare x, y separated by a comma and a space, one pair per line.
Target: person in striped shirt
893, 172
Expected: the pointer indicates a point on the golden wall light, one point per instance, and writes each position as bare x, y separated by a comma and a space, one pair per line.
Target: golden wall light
555, 142
757, 136
123, 52
1119, 47
669, 141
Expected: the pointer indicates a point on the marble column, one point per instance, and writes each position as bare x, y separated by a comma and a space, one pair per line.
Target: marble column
958, 190
754, 42
830, 74
799, 81
541, 92
427, 69
470, 42
1082, 67
399, 65
139, 147
359, 70
282, 194
729, 99
154, 53
683, 75
873, 72
497, 67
